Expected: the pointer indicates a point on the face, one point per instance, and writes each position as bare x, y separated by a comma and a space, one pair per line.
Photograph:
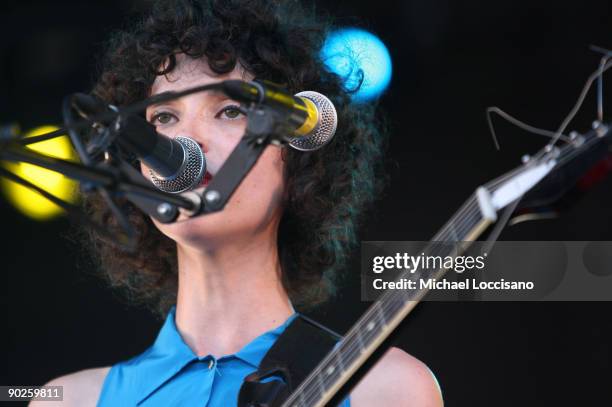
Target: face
212, 120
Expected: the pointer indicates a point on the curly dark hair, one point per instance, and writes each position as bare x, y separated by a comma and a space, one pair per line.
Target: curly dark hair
328, 191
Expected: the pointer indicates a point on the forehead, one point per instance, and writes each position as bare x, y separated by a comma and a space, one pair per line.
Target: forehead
190, 72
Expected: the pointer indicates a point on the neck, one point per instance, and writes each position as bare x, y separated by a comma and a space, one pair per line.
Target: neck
229, 295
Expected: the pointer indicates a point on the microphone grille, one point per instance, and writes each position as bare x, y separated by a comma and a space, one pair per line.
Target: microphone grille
191, 172
326, 127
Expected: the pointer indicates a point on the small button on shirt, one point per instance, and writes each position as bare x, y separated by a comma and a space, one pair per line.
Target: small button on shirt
170, 374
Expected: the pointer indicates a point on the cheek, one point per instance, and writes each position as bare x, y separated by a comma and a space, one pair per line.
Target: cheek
219, 142
263, 187
257, 203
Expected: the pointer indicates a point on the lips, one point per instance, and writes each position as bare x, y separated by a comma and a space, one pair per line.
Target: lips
205, 180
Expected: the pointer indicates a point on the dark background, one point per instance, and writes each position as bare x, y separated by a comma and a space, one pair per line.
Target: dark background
452, 59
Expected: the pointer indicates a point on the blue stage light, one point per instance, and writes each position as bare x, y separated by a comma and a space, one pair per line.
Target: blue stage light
354, 53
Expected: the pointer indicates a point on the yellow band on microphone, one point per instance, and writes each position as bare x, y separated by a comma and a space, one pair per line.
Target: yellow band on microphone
312, 118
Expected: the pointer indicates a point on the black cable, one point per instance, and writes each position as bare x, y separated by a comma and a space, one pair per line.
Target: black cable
67, 110
41, 137
167, 96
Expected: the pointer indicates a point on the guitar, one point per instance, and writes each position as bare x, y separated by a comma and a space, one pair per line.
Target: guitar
542, 179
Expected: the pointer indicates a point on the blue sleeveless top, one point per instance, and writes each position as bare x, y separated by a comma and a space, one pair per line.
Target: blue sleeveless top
169, 374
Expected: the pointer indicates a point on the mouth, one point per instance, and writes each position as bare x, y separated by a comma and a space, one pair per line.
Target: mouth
205, 180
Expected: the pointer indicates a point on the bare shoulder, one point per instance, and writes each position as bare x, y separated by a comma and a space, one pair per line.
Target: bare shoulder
398, 379
81, 388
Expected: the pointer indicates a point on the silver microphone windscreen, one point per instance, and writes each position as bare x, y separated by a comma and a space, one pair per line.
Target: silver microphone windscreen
326, 126
191, 172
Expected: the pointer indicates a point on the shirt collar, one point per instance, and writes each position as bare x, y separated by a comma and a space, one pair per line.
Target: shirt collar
169, 354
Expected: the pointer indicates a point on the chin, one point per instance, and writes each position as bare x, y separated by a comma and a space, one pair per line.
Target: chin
213, 230
201, 230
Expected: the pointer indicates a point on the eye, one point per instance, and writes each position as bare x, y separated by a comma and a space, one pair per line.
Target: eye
230, 112
163, 118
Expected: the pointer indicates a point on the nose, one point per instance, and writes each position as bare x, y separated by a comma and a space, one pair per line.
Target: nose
199, 129
195, 130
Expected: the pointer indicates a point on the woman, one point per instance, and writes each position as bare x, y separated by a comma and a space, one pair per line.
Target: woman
227, 282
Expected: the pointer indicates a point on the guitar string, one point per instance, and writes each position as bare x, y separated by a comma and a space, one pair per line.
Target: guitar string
581, 98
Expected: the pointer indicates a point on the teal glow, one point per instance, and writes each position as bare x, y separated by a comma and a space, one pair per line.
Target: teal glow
353, 53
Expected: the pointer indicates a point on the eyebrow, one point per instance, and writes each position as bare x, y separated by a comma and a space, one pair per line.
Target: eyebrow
159, 98
163, 95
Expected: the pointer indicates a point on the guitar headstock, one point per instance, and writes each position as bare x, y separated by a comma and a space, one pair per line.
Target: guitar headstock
553, 178
585, 161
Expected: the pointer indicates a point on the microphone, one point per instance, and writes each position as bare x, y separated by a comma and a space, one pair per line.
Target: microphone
312, 116
176, 164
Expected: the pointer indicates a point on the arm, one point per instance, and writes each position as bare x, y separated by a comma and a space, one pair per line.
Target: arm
398, 379
81, 389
